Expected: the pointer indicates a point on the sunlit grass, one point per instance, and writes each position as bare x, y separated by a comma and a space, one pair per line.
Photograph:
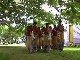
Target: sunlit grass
20, 53
72, 49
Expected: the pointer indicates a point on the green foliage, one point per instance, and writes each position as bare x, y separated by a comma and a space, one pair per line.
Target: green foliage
33, 7
11, 12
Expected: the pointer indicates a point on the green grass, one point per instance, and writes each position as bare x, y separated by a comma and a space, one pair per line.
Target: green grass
4, 56
20, 53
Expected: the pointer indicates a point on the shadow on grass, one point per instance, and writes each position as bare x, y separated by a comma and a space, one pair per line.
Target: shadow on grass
4, 56
20, 53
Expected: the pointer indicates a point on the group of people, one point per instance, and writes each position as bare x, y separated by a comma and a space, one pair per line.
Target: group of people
45, 38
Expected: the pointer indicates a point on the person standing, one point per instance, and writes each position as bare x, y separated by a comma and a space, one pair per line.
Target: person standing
42, 30
35, 39
54, 38
60, 29
46, 41
39, 42
28, 42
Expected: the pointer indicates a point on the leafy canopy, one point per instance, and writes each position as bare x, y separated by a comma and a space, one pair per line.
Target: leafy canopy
12, 12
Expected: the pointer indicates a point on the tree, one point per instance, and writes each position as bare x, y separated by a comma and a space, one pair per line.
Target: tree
12, 12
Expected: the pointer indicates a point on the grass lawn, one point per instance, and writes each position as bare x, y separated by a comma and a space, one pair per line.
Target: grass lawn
20, 53
4, 57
